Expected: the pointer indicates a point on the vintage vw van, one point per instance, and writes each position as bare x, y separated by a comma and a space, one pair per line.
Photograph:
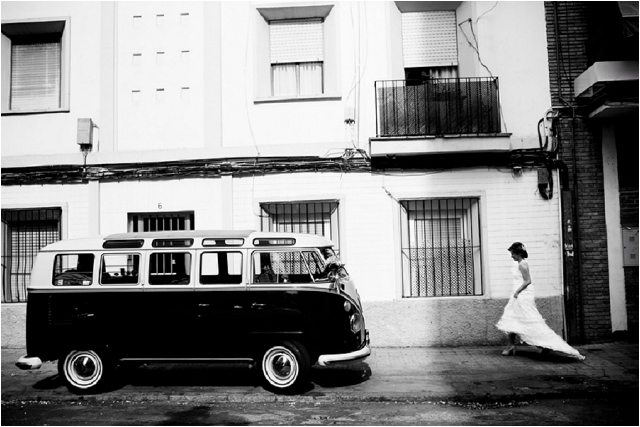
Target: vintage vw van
280, 301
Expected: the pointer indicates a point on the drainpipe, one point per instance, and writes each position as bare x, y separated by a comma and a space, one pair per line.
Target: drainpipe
574, 192
576, 240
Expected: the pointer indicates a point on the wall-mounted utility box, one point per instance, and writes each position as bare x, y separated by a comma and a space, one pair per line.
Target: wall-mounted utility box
543, 176
85, 132
630, 247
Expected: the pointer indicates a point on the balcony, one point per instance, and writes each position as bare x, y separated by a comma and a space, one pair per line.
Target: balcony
437, 107
438, 116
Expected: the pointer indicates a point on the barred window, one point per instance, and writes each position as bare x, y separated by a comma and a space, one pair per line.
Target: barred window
24, 233
313, 217
441, 253
164, 221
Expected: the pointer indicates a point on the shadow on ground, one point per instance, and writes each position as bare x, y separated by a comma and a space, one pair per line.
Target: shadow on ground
212, 375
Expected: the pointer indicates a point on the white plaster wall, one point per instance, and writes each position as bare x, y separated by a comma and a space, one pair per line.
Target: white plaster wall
175, 121
203, 196
246, 122
75, 201
512, 41
44, 134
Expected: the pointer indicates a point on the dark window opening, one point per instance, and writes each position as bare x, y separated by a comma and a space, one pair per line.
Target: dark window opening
24, 233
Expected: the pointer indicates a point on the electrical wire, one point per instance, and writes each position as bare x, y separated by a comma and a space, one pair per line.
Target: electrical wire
476, 49
358, 72
493, 7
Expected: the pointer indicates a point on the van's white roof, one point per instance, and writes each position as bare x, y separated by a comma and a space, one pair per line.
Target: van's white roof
95, 243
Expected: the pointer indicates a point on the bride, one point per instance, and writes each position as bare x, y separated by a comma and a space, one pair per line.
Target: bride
521, 317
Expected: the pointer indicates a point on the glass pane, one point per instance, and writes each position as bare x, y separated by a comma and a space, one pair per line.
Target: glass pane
73, 269
281, 267
311, 78
284, 79
169, 268
120, 269
221, 268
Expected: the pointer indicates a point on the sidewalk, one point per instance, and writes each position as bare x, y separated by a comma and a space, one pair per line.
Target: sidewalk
397, 374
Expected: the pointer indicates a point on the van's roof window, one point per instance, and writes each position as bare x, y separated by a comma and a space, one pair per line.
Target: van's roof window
222, 242
172, 243
123, 244
274, 242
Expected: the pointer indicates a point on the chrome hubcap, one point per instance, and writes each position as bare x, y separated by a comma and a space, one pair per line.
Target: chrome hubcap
280, 367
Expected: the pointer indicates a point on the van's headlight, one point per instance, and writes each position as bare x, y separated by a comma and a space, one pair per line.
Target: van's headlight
355, 322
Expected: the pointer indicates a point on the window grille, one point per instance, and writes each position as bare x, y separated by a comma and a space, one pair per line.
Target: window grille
165, 221
24, 233
319, 218
441, 251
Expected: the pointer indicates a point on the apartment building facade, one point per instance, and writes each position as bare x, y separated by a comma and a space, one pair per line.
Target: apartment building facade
416, 135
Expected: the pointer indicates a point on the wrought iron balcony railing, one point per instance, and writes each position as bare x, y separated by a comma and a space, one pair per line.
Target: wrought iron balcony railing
463, 106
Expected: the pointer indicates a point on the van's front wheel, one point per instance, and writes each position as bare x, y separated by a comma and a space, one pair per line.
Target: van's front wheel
83, 370
285, 366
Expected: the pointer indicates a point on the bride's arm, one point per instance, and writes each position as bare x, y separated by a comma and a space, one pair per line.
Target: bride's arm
524, 269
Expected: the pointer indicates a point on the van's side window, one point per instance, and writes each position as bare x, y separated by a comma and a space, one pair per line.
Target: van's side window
221, 268
119, 269
286, 267
170, 268
73, 270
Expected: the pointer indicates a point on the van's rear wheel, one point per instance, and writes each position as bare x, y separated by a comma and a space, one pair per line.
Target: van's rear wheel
83, 370
285, 366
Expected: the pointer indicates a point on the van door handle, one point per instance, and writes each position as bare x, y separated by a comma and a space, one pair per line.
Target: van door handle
203, 305
258, 306
238, 307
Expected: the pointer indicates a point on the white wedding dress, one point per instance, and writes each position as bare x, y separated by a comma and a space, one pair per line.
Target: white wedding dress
522, 317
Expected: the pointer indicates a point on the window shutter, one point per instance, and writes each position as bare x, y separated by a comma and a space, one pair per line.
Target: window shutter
35, 76
429, 39
296, 40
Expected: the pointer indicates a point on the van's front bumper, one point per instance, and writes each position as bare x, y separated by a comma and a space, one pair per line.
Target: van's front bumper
346, 358
27, 362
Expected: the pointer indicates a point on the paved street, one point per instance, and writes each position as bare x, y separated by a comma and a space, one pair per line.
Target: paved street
464, 374
593, 411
